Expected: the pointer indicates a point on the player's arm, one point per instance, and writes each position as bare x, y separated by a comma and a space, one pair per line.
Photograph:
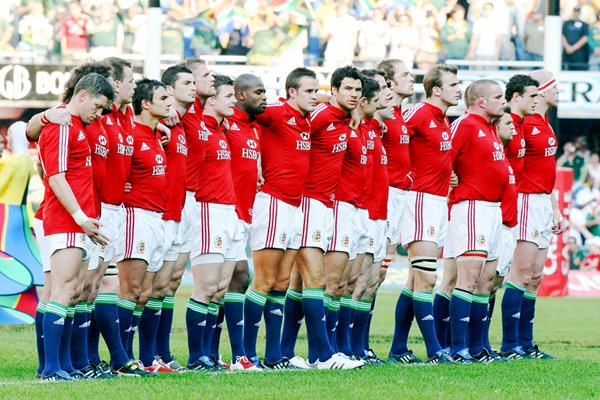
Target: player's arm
558, 226
61, 188
261, 179
59, 116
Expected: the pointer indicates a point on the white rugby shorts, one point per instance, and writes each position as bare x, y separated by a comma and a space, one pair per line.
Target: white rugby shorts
189, 227
317, 224
240, 251
142, 237
396, 204
378, 239
275, 224
475, 226
364, 234
40, 238
424, 218
220, 231
506, 249
346, 221
535, 218
60, 241
172, 246
111, 218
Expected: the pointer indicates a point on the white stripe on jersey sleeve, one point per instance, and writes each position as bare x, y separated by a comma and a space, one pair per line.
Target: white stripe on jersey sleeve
317, 110
454, 126
63, 148
408, 114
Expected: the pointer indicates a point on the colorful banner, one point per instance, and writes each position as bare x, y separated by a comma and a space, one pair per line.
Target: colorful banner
584, 283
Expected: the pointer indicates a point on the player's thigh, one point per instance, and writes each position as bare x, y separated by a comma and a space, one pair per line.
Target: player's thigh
266, 268
310, 265
240, 278
468, 270
334, 264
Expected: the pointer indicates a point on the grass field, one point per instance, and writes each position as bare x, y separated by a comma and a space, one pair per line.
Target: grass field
567, 328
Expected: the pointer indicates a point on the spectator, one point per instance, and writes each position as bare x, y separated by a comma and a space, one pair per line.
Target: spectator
36, 32
516, 27
429, 48
594, 45
574, 42
340, 34
571, 158
591, 262
235, 38
405, 40
583, 206
291, 51
486, 40
576, 254
533, 37
107, 34
592, 170
373, 38
137, 26
75, 32
455, 35
268, 36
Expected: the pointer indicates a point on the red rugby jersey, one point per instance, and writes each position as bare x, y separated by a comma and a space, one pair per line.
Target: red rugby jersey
509, 199
430, 148
99, 146
285, 151
396, 141
354, 171
148, 171
378, 188
196, 140
368, 130
243, 141
216, 179
515, 149
118, 126
176, 151
539, 169
66, 149
478, 161
329, 135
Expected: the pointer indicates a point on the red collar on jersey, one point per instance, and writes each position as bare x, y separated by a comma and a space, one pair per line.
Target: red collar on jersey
211, 123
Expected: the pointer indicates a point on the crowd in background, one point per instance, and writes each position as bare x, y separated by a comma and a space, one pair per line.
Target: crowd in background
292, 32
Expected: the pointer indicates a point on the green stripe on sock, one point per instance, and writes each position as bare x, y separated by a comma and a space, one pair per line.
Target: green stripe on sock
346, 301
91, 308
444, 295
481, 298
107, 298
257, 297
407, 292
276, 299
168, 302
468, 297
154, 304
313, 293
514, 286
530, 295
425, 297
334, 305
234, 297
354, 304
294, 295
71, 311
126, 304
363, 305
81, 307
56, 309
197, 307
41, 308
213, 309
137, 312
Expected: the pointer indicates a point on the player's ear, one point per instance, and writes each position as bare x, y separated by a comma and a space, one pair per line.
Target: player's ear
363, 102
170, 90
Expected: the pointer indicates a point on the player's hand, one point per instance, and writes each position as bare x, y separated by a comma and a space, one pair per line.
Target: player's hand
355, 121
558, 224
127, 187
59, 116
408, 181
453, 180
165, 132
225, 125
260, 182
172, 119
92, 229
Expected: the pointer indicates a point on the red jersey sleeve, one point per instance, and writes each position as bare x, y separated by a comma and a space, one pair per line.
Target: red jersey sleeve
55, 139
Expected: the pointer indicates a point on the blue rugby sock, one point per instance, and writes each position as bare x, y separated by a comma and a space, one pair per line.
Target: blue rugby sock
312, 303
511, 314
526, 320
163, 335
64, 353
460, 312
78, 348
39, 336
478, 322
273, 314
292, 321
254, 306
53, 326
148, 329
234, 316
423, 307
195, 320
441, 314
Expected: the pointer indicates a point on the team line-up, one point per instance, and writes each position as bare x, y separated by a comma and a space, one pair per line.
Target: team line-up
143, 176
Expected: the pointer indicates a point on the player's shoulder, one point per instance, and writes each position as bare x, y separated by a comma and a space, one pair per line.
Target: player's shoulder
414, 113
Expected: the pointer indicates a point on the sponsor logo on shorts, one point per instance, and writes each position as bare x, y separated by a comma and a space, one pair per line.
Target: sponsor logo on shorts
218, 242
82, 238
536, 234
283, 238
345, 241
371, 243
316, 236
481, 240
141, 247
431, 231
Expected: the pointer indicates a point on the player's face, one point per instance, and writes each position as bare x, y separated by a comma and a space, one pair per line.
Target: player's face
126, 86
348, 94
224, 101
255, 98
184, 89
91, 107
450, 90
403, 80
528, 101
369, 108
306, 94
386, 98
160, 106
551, 96
205, 82
505, 128
495, 102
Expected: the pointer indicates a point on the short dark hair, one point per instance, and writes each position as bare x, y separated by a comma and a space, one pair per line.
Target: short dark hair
293, 78
433, 77
507, 110
389, 67
370, 88
343, 72
222, 80
117, 66
171, 74
372, 73
517, 84
144, 90
95, 85
79, 72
